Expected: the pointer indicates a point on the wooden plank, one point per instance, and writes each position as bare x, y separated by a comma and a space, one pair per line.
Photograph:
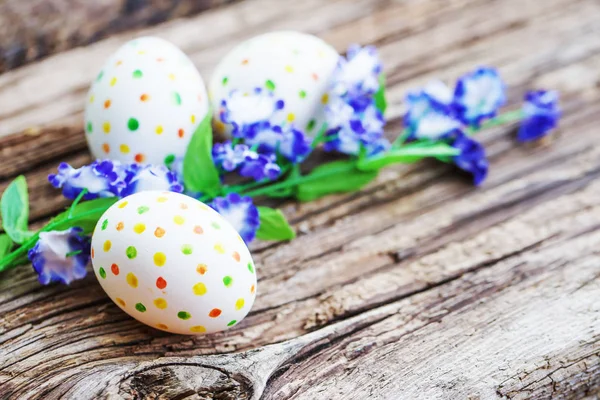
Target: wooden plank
419, 286
31, 30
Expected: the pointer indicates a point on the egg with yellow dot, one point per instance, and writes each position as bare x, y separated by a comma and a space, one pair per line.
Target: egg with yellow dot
296, 67
145, 103
173, 263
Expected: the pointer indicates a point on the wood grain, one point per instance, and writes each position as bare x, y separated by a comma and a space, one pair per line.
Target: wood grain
31, 30
418, 287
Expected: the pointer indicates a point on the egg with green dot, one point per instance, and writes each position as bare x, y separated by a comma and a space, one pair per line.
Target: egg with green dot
145, 103
296, 67
173, 263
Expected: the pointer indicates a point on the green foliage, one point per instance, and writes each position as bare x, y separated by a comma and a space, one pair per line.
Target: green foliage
14, 207
199, 171
273, 225
334, 177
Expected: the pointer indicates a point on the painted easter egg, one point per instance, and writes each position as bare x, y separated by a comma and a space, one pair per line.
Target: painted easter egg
173, 263
145, 103
296, 66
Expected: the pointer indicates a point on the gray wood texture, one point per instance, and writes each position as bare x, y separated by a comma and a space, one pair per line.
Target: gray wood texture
418, 287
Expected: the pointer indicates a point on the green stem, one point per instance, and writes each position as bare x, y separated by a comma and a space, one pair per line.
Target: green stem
8, 261
507, 117
76, 201
401, 138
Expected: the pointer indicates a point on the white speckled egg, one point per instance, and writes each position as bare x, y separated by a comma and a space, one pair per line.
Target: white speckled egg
296, 66
173, 263
145, 103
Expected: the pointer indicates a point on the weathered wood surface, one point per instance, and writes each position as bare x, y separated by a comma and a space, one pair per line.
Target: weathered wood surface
418, 287
33, 29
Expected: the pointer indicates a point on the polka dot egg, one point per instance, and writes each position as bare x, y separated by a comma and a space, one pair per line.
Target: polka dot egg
297, 67
173, 263
145, 103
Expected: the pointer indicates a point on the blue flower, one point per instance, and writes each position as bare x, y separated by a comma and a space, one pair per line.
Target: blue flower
472, 157
287, 141
51, 256
260, 166
100, 178
229, 156
246, 161
541, 115
430, 113
479, 95
358, 73
139, 178
240, 212
248, 113
351, 129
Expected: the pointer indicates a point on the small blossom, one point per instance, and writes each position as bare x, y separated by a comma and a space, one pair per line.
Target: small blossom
229, 156
52, 256
139, 178
287, 141
248, 113
246, 161
472, 158
358, 73
260, 166
430, 113
359, 129
240, 212
100, 178
479, 95
541, 115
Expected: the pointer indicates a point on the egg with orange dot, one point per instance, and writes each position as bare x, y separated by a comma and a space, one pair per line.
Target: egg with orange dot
296, 67
145, 103
173, 263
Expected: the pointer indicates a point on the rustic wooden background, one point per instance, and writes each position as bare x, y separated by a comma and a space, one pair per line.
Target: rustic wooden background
418, 287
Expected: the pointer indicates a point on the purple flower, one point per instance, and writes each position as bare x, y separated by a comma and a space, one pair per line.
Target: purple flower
358, 73
260, 166
240, 212
229, 156
246, 161
472, 157
479, 95
105, 178
541, 115
140, 178
249, 113
351, 129
52, 256
287, 141
100, 178
430, 113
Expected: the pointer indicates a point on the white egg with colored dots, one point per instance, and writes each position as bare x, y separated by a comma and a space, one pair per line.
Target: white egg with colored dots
296, 66
145, 103
173, 263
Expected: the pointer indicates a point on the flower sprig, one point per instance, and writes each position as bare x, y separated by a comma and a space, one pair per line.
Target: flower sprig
264, 159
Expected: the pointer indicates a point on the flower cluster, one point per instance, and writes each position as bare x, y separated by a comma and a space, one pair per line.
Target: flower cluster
437, 113
106, 178
353, 121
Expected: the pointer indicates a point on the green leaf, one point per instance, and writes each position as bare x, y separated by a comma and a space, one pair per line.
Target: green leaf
14, 207
334, 177
84, 215
407, 155
380, 101
6, 245
273, 225
199, 171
